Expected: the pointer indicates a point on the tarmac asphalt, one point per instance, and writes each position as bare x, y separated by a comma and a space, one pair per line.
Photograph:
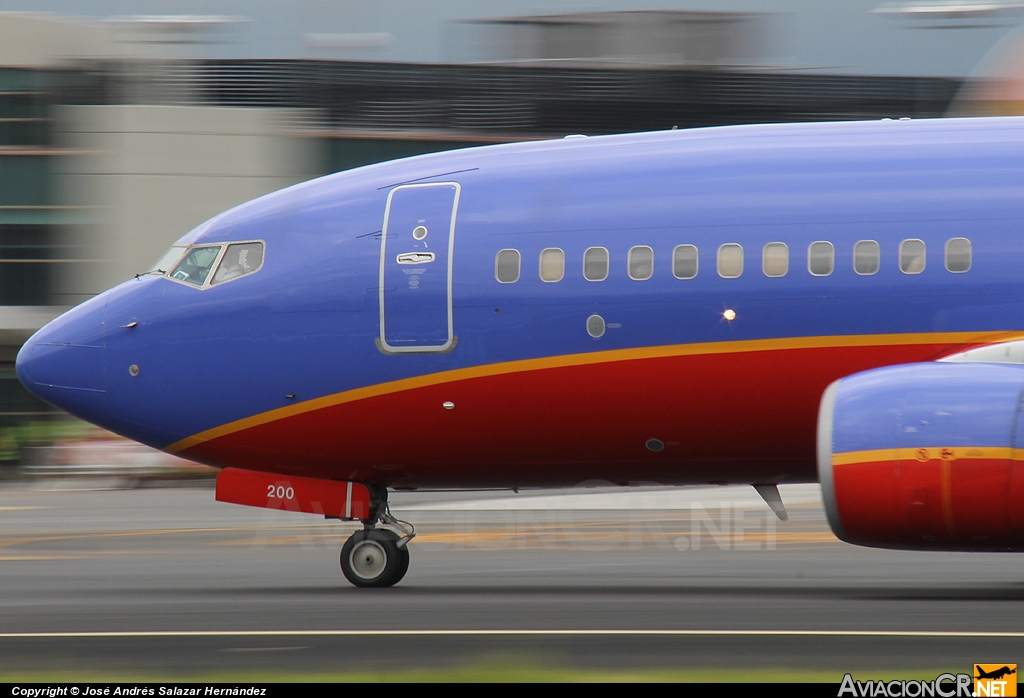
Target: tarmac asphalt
169, 582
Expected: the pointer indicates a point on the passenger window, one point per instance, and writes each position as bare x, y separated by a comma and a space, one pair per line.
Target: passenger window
684, 262
912, 256
595, 264
506, 266
866, 257
641, 263
821, 258
552, 265
775, 259
239, 260
730, 261
196, 266
168, 259
958, 255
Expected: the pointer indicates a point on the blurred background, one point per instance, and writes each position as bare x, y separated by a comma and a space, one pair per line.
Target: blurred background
126, 123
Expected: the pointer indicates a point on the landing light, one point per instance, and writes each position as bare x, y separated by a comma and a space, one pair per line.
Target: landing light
729, 314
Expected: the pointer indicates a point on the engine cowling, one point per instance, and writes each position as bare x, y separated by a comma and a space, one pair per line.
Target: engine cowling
925, 456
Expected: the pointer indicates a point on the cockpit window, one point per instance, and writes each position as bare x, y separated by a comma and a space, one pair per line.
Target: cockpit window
239, 260
196, 266
168, 259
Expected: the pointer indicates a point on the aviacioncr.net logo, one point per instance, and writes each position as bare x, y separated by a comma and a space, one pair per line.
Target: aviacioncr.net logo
995, 680
942, 686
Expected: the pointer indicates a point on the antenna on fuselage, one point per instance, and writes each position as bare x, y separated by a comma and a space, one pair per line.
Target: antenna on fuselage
770, 494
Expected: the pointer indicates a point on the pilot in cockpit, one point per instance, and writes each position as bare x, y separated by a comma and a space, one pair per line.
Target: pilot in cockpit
235, 263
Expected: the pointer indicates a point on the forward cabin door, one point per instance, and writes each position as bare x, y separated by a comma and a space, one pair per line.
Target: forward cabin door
416, 268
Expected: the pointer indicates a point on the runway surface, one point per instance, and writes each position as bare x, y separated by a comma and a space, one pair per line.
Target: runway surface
168, 582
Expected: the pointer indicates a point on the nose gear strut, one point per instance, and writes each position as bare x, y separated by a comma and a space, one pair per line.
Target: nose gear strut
377, 557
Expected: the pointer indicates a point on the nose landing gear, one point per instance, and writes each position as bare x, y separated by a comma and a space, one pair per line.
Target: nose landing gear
377, 557
373, 557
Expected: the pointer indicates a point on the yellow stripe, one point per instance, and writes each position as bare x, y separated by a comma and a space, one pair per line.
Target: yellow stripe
598, 357
883, 455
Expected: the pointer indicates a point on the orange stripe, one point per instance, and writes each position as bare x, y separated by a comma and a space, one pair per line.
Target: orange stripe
598, 357
889, 455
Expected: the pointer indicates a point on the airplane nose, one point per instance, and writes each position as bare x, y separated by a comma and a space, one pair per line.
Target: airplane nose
64, 364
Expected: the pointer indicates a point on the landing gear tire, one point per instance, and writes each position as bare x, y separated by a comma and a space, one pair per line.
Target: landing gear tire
372, 558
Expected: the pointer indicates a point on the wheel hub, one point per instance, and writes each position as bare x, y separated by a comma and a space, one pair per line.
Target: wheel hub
368, 559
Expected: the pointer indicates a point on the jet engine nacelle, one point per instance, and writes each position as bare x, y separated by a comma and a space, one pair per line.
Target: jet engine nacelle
925, 456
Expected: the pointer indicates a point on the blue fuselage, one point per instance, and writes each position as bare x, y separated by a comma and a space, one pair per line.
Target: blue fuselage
240, 359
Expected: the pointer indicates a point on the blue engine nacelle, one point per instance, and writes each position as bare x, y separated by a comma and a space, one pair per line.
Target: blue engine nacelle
925, 456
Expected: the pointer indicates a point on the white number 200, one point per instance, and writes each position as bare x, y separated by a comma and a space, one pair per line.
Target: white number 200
280, 492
